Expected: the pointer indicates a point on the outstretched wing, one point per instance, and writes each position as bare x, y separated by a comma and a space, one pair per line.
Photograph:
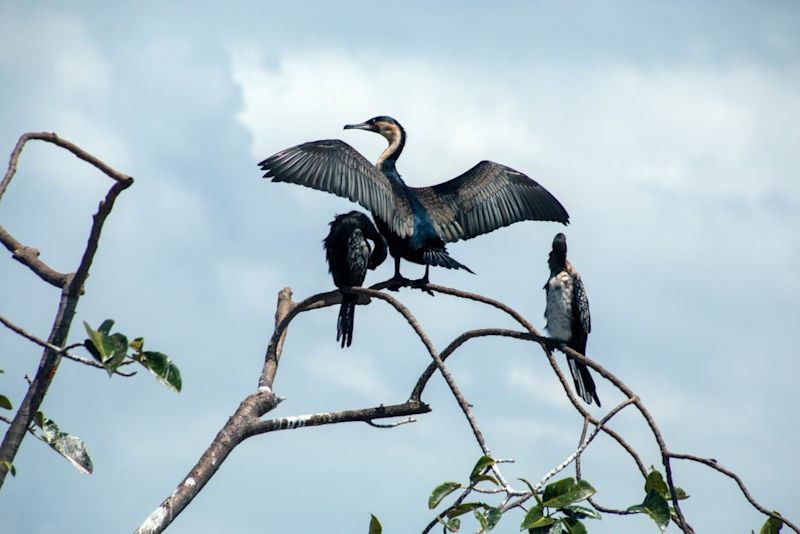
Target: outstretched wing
485, 198
336, 167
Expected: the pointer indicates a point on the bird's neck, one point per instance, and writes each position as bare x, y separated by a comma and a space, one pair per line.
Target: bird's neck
397, 140
557, 263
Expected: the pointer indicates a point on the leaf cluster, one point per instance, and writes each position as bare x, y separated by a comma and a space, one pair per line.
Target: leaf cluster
656, 500
556, 509
112, 351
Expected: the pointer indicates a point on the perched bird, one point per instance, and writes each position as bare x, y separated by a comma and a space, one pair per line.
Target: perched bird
349, 255
567, 314
416, 221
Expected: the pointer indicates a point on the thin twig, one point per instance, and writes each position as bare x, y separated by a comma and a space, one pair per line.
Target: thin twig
62, 350
572, 457
405, 421
713, 464
583, 444
448, 377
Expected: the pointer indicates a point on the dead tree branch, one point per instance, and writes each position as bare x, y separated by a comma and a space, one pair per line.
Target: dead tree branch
713, 464
71, 286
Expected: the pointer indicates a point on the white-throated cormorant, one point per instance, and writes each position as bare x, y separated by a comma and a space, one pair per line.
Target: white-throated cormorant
416, 221
567, 314
349, 255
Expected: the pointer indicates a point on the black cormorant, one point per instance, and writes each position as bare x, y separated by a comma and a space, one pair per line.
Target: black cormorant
416, 221
567, 314
348, 255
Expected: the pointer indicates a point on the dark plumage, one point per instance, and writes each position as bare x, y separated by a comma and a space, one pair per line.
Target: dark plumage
349, 255
416, 221
567, 314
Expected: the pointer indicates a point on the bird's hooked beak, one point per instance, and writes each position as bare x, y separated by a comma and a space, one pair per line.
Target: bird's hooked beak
361, 126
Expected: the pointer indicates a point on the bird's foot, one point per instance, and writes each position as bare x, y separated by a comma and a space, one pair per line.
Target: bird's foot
422, 284
554, 344
396, 282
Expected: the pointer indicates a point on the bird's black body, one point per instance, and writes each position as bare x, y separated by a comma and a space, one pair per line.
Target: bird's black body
416, 221
567, 313
349, 256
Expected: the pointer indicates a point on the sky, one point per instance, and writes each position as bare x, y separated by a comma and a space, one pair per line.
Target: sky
667, 130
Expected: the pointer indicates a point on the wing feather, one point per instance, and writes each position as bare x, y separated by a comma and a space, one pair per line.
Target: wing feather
336, 167
485, 198
580, 304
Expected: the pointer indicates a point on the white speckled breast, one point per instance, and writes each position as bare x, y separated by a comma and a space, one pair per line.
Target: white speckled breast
559, 306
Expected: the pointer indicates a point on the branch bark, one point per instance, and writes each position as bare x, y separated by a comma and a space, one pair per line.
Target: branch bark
71, 288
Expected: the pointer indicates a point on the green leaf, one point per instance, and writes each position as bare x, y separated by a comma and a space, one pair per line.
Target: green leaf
101, 345
566, 494
656, 507
138, 344
374, 525
105, 326
162, 367
464, 508
120, 344
482, 463
453, 525
493, 516
486, 478
574, 526
74, 449
10, 467
655, 482
772, 526
535, 518
95, 343
543, 525
533, 492
680, 494
481, 517
560, 487
440, 492
581, 512
70, 447
5, 403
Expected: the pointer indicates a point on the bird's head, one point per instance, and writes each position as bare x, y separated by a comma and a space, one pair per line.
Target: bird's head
560, 244
386, 126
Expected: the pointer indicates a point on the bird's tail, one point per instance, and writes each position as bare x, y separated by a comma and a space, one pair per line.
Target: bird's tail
584, 383
440, 258
344, 325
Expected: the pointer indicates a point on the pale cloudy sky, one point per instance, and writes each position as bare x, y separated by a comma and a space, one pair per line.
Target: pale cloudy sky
669, 132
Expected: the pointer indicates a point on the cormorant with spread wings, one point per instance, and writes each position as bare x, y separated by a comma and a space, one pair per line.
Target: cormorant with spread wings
416, 221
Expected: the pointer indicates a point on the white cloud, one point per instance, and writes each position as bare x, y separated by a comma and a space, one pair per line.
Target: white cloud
686, 129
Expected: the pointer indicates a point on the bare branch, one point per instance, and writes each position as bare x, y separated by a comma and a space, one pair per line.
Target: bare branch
575, 455
572, 457
29, 257
465, 406
346, 416
231, 434
285, 312
681, 521
713, 464
72, 288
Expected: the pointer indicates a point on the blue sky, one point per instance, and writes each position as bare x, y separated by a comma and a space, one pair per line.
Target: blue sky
668, 131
